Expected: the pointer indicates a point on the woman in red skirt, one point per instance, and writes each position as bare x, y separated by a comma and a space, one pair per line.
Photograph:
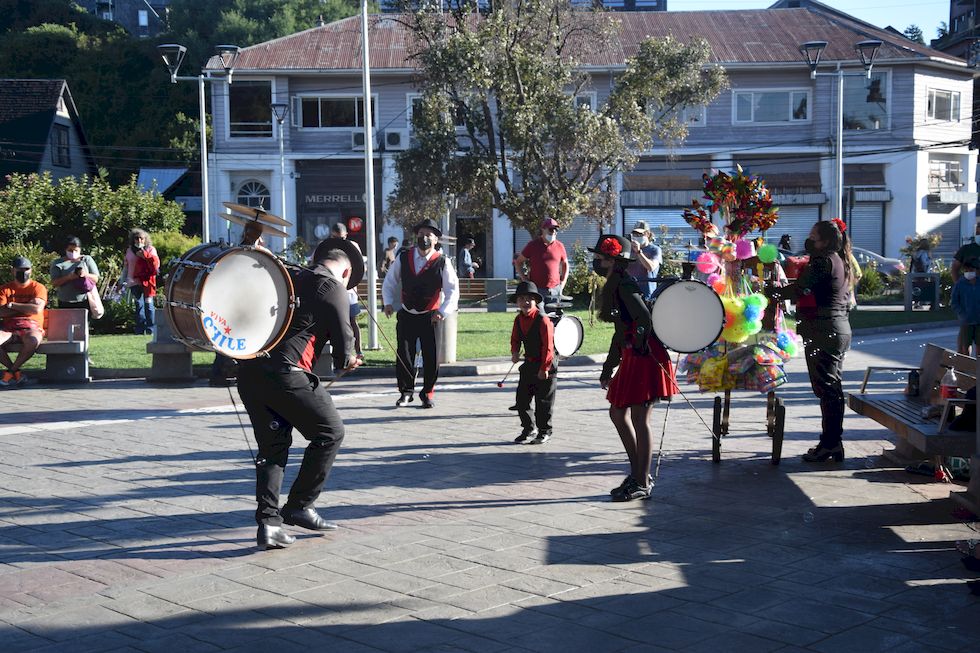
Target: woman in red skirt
645, 374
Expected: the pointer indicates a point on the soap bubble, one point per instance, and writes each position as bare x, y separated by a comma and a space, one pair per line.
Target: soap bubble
70, 371
808, 517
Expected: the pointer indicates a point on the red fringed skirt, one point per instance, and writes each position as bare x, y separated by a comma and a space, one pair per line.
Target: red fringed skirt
642, 379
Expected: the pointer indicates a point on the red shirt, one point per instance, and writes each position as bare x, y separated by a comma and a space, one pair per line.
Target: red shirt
521, 325
545, 261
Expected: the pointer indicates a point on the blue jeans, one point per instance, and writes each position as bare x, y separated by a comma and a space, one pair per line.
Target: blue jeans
144, 309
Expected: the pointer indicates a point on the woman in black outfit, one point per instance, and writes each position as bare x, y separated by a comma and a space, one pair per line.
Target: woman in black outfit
644, 374
822, 298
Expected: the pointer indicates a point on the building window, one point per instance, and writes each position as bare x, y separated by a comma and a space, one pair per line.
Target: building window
334, 112
143, 17
60, 147
414, 103
943, 105
254, 194
945, 174
866, 102
693, 116
249, 109
586, 100
767, 107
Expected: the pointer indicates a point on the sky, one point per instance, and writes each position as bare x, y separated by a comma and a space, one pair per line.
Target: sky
927, 14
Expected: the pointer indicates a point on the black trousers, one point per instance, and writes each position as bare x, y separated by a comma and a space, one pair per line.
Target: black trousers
278, 400
825, 343
543, 392
409, 328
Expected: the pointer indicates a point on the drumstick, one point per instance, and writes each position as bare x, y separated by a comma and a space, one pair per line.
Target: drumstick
500, 383
339, 376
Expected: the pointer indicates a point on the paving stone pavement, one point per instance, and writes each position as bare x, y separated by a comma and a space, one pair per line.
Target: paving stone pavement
126, 525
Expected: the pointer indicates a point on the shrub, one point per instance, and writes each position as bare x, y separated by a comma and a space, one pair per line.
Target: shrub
871, 283
120, 316
171, 245
40, 259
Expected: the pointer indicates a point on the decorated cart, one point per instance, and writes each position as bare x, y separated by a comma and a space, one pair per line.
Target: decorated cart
738, 264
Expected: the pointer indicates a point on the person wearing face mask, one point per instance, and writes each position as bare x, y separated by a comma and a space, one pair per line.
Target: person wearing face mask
21, 320
142, 267
74, 274
822, 298
965, 302
281, 392
428, 289
969, 250
643, 373
547, 261
648, 258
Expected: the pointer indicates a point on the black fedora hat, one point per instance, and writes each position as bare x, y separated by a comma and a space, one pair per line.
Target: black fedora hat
349, 248
613, 245
429, 223
527, 288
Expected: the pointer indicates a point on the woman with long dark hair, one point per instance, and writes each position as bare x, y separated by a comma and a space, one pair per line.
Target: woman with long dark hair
822, 298
644, 374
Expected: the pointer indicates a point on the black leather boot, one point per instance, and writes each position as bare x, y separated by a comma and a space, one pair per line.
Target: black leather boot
273, 537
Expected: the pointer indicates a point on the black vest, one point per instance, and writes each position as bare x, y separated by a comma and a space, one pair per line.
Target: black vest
420, 292
532, 339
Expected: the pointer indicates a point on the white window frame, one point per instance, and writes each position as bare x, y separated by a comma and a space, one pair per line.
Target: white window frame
297, 110
790, 119
226, 101
887, 90
945, 166
410, 99
591, 96
931, 104
700, 113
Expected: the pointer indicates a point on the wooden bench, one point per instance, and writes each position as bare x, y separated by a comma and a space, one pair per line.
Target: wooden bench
489, 292
65, 349
921, 430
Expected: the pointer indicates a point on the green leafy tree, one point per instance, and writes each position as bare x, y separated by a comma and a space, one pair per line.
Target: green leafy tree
914, 33
524, 147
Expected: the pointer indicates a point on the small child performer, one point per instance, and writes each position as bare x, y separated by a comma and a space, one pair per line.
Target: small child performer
966, 305
538, 373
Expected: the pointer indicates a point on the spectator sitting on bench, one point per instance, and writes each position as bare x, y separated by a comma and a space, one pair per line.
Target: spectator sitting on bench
21, 320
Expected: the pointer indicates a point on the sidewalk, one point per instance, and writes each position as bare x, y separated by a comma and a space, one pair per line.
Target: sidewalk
127, 526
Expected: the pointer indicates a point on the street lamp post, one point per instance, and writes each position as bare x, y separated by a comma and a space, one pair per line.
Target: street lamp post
173, 55
811, 51
280, 110
369, 222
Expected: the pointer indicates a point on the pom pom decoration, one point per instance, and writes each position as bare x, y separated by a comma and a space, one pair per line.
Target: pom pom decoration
712, 278
707, 263
783, 340
757, 299
728, 251
791, 349
719, 286
752, 312
738, 332
754, 327
768, 253
744, 249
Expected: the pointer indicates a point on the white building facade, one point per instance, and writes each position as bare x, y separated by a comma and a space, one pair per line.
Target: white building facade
906, 131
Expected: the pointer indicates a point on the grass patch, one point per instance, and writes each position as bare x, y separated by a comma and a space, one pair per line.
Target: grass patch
868, 319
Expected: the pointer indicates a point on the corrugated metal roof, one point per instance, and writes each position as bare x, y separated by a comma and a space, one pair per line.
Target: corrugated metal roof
164, 178
762, 36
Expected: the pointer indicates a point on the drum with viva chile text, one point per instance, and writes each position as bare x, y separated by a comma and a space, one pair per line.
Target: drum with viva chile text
233, 300
687, 316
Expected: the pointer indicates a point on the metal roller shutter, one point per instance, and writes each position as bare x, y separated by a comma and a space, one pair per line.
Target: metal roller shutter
795, 221
659, 217
950, 231
866, 226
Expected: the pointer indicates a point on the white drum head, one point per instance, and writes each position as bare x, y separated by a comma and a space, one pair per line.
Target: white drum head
688, 316
568, 335
244, 303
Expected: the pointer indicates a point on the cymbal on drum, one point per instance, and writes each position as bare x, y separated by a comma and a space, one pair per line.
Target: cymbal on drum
257, 214
266, 228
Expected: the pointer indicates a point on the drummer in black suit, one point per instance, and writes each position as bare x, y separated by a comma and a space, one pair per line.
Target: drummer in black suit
429, 289
281, 391
538, 374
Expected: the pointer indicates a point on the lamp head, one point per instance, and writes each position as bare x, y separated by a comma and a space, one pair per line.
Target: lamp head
172, 55
229, 56
812, 51
868, 50
280, 110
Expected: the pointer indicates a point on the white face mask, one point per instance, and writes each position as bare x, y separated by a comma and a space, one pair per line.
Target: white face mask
73, 255
969, 276
550, 237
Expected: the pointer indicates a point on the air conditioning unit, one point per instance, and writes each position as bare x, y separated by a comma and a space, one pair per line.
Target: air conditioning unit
396, 139
357, 140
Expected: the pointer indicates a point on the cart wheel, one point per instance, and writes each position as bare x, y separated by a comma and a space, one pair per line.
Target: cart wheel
778, 429
716, 432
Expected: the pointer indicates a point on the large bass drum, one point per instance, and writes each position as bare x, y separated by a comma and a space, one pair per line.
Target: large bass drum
687, 316
237, 301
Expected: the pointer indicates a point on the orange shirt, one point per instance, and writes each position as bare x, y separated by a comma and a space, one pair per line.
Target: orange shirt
11, 293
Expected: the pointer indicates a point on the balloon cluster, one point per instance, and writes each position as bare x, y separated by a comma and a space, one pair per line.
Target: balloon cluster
743, 316
788, 341
744, 201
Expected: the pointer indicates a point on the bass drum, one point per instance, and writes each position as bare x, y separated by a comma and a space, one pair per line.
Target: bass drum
687, 316
237, 301
568, 335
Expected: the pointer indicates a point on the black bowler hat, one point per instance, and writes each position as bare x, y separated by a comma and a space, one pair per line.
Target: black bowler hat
614, 246
349, 248
526, 288
430, 224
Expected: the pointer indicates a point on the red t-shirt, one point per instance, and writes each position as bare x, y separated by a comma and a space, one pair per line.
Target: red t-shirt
545, 261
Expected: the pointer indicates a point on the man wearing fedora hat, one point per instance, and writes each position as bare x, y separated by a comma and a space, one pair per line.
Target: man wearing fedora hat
428, 289
281, 392
537, 376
